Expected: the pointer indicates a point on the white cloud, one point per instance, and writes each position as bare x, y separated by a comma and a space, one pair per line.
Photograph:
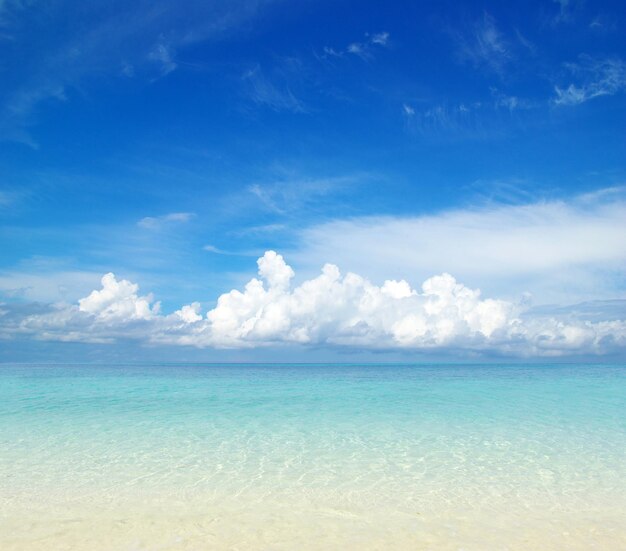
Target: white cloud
118, 300
349, 310
190, 313
595, 78
330, 309
158, 222
115, 311
216, 250
560, 251
355, 48
380, 38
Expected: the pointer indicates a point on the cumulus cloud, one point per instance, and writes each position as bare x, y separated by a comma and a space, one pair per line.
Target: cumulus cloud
190, 313
118, 300
331, 309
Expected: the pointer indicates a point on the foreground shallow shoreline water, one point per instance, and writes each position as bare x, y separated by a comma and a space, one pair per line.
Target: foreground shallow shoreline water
313, 457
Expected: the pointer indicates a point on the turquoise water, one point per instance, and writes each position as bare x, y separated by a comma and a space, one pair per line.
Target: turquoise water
401, 439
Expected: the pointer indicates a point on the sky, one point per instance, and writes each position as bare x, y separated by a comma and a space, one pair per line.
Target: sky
312, 180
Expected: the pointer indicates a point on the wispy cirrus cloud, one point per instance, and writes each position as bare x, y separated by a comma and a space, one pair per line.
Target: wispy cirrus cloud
137, 40
603, 23
594, 77
473, 119
289, 195
484, 45
285, 84
272, 93
408, 110
162, 55
454, 121
441, 120
9, 12
362, 48
510, 102
567, 9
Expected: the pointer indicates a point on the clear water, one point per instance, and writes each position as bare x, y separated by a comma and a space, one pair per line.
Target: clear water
313, 456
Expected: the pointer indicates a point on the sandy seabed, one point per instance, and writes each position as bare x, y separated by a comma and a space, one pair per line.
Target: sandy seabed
249, 524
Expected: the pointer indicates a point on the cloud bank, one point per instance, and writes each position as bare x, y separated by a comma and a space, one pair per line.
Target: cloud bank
331, 309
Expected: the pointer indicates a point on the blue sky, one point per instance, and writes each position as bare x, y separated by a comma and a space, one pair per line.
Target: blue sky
174, 143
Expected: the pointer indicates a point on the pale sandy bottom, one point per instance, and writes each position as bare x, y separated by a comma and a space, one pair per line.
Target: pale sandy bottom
311, 523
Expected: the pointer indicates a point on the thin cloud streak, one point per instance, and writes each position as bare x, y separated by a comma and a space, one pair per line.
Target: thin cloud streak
159, 222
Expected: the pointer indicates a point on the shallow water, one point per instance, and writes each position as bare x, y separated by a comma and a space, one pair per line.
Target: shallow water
313, 457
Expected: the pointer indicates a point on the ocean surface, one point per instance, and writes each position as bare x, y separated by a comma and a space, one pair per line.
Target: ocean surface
241, 457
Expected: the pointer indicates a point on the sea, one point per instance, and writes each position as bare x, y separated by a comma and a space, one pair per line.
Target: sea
313, 456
